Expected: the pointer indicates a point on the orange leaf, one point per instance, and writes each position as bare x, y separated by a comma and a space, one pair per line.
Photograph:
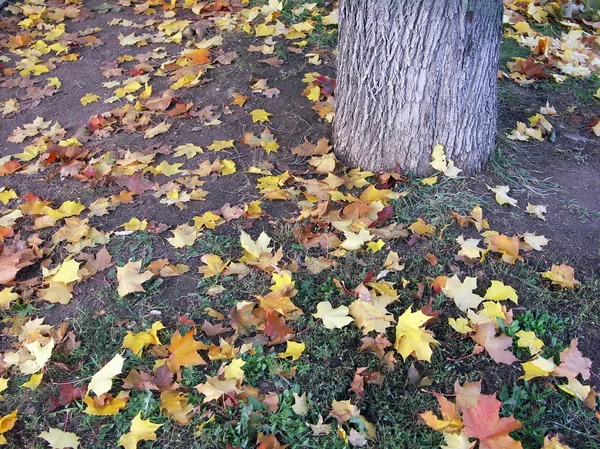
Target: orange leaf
184, 350
483, 422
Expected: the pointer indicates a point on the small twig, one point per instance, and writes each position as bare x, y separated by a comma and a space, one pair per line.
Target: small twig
309, 327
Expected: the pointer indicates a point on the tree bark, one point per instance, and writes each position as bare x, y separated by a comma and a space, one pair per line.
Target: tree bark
413, 74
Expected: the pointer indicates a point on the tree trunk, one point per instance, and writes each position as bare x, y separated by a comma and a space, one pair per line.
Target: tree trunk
413, 74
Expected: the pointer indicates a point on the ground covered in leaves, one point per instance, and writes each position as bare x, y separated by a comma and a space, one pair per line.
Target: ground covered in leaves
184, 262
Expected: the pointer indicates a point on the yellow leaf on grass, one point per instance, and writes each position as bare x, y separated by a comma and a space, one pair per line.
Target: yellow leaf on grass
183, 235
34, 381
184, 350
412, 338
354, 241
102, 381
462, 292
214, 388
429, 181
7, 423
563, 275
141, 430
40, 355
293, 350
214, 265
67, 272
59, 439
419, 227
260, 115
3, 384
89, 98
6, 297
528, 339
538, 367
333, 318
137, 342
131, 279
175, 404
234, 369
106, 405
575, 388
500, 292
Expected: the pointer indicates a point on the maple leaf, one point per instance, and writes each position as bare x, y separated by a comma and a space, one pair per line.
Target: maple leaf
563, 275
131, 279
184, 350
462, 292
7, 422
411, 338
260, 115
507, 246
484, 423
175, 404
457, 441
89, 98
214, 388
102, 381
333, 318
140, 430
59, 439
293, 350
573, 362
502, 195
370, 316
528, 339
450, 422
158, 129
499, 292
183, 235
538, 367
496, 346
214, 265
137, 342
537, 210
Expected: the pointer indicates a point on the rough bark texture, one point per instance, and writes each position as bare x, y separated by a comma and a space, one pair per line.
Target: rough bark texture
415, 73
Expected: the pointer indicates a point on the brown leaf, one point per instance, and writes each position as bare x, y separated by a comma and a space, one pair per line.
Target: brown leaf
273, 61
67, 393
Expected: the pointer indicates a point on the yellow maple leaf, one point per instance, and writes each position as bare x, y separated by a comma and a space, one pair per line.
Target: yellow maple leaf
460, 325
135, 225
419, 227
7, 422
7, 195
502, 195
577, 389
59, 439
293, 350
102, 381
500, 292
137, 342
6, 297
412, 338
214, 265
462, 292
264, 30
105, 404
234, 370
158, 129
39, 356
141, 430
563, 275
260, 115
219, 145
89, 98
528, 339
131, 279
183, 235
538, 367
175, 404
333, 318
214, 388
184, 350
33, 382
